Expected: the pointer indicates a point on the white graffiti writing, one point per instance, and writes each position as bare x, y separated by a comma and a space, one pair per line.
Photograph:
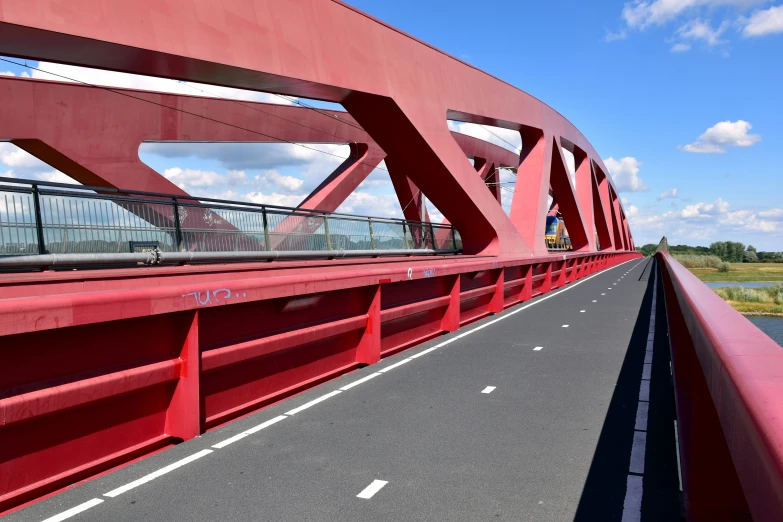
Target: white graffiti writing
205, 298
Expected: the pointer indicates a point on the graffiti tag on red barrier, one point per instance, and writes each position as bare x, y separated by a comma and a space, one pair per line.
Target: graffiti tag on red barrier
205, 298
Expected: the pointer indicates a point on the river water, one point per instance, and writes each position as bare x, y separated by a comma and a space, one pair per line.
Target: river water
772, 326
723, 284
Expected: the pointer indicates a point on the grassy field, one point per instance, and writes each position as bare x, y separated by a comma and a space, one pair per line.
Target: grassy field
769, 309
743, 273
746, 273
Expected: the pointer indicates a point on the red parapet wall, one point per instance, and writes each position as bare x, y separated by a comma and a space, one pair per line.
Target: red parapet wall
728, 378
100, 368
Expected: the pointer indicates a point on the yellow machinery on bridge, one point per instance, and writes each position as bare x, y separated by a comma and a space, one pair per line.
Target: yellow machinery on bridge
556, 235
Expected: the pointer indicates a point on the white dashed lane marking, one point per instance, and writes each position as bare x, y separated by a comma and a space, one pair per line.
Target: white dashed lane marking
372, 489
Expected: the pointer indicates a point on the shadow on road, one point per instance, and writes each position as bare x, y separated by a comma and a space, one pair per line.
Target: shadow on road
604, 491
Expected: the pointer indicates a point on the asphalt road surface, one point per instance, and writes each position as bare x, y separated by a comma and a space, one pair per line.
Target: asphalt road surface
538, 413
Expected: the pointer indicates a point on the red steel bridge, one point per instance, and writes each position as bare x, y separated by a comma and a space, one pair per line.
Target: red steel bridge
169, 356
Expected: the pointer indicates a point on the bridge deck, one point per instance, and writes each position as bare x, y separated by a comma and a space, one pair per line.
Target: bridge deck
552, 440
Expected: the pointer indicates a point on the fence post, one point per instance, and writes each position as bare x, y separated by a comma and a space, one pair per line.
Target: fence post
38, 221
267, 244
405, 236
432, 236
454, 237
177, 228
372, 237
326, 232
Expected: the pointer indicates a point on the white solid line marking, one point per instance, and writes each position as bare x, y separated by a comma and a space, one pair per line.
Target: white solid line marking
538, 348
313, 402
372, 489
641, 416
425, 352
155, 474
488, 389
74, 510
266, 424
356, 383
565, 326
647, 357
650, 344
393, 366
632, 507
637, 452
646, 369
230, 440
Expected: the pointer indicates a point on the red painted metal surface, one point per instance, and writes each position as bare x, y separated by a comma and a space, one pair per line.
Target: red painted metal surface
399, 89
93, 134
728, 378
102, 366
99, 367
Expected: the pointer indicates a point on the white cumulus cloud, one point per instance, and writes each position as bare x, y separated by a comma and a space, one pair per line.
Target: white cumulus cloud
669, 194
625, 173
721, 135
760, 23
700, 30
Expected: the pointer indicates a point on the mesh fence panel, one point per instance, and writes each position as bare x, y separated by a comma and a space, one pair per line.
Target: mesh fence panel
18, 235
78, 225
419, 236
296, 232
350, 234
210, 229
388, 235
443, 239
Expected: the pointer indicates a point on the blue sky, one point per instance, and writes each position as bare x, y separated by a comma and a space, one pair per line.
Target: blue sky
674, 94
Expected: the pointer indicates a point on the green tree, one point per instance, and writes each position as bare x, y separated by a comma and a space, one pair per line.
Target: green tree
751, 256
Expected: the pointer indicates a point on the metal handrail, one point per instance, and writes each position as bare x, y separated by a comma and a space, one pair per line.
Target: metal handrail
182, 199
72, 220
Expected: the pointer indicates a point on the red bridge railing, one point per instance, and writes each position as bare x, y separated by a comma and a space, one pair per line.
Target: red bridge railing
728, 379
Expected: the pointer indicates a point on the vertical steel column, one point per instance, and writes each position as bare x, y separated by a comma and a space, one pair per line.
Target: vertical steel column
38, 221
267, 243
326, 232
177, 228
372, 238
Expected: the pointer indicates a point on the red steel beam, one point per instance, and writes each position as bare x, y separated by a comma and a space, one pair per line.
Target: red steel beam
93, 134
252, 45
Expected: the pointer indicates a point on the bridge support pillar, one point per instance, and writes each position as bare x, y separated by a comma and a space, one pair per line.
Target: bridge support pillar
450, 321
183, 418
369, 349
497, 302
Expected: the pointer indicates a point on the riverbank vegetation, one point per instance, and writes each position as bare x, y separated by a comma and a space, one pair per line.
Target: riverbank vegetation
741, 273
767, 300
